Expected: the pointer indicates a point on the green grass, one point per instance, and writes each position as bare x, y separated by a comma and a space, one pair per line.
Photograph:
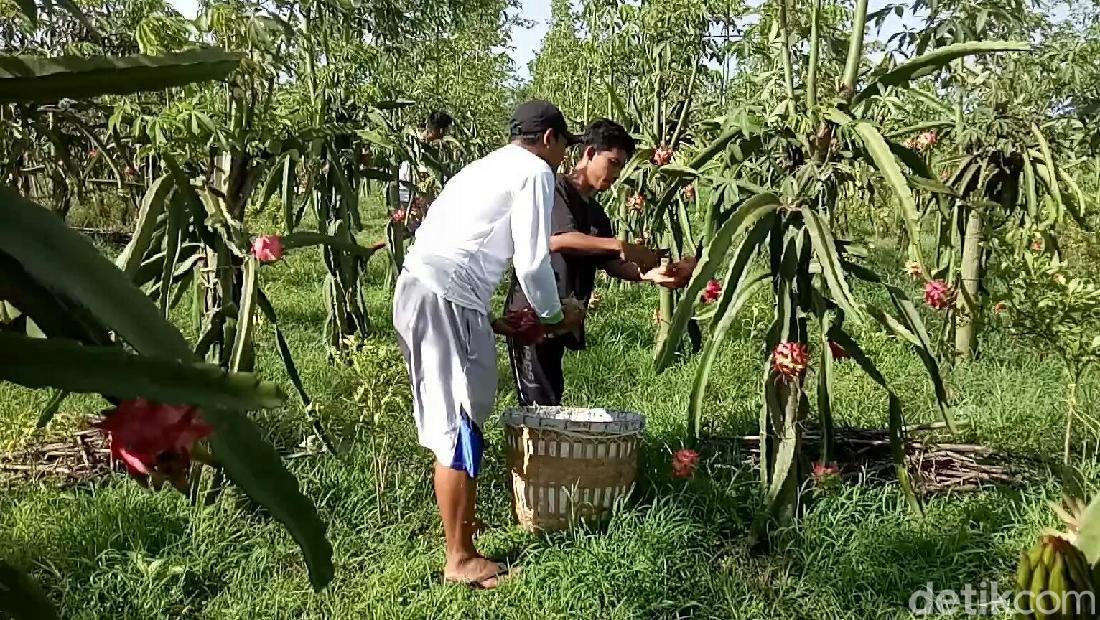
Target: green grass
677, 550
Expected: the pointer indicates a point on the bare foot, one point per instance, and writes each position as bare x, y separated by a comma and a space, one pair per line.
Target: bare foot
476, 571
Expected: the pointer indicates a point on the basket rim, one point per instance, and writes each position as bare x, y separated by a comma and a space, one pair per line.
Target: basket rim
567, 418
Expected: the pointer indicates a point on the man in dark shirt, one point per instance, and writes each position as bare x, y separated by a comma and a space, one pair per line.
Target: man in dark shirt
582, 242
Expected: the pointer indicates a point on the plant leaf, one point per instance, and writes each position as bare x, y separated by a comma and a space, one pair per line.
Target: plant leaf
72, 9
174, 226
51, 408
289, 179
1052, 172
924, 350
112, 371
29, 9
678, 171
743, 292
265, 306
930, 185
896, 426
893, 325
40, 78
824, 245
928, 63
241, 353
825, 396
1031, 197
886, 163
306, 239
1075, 204
897, 451
253, 465
40, 241
394, 104
752, 211
152, 207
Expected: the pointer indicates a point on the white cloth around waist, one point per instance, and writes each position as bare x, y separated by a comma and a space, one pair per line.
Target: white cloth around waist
450, 355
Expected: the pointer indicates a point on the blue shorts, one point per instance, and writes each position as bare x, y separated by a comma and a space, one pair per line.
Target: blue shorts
469, 447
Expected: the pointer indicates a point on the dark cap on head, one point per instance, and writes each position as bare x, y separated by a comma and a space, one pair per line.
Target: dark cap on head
536, 116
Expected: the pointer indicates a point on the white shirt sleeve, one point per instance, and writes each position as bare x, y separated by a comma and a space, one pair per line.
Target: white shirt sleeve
404, 179
531, 207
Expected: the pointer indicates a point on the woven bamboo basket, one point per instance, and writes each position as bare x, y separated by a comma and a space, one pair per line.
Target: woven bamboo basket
568, 465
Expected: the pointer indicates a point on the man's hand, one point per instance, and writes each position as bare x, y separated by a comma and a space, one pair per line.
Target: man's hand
645, 258
682, 269
663, 276
502, 328
675, 275
574, 318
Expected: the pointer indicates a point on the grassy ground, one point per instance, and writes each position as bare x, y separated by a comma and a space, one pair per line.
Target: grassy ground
678, 550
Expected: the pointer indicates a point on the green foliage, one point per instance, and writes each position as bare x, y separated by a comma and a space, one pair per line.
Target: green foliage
1046, 300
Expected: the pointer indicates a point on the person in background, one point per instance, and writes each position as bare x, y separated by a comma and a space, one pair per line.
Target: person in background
582, 243
411, 208
494, 211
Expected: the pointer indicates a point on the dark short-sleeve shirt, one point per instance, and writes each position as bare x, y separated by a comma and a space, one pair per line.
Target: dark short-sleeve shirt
575, 273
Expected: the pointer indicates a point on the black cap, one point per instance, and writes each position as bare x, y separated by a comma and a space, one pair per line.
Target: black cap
536, 116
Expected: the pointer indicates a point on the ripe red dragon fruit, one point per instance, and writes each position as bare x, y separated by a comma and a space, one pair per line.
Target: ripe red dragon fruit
151, 438
712, 292
662, 156
939, 294
689, 193
684, 462
525, 325
636, 203
398, 216
93, 152
790, 359
268, 248
838, 351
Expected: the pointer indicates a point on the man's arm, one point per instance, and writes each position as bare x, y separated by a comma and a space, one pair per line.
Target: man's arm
629, 272
580, 243
622, 270
531, 242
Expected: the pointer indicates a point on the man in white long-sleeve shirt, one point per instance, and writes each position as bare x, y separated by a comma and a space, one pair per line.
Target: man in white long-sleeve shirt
494, 211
